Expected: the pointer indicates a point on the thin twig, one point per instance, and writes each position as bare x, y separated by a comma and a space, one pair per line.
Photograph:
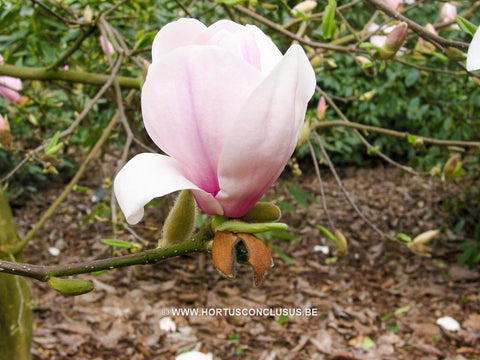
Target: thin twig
320, 182
362, 138
398, 134
342, 188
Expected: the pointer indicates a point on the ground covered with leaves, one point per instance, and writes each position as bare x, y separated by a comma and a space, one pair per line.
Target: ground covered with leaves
380, 301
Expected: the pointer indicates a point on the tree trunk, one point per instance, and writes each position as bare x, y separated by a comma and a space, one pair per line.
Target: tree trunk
15, 313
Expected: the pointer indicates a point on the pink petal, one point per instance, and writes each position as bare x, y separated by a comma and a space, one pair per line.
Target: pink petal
269, 54
145, 177
265, 133
8, 91
176, 34
190, 101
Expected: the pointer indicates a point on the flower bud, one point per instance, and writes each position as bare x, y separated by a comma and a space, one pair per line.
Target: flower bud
425, 237
321, 108
262, 212
448, 13
304, 134
88, 14
451, 165
304, 7
107, 46
393, 41
180, 222
342, 244
367, 65
71, 287
5, 135
368, 95
396, 4
423, 45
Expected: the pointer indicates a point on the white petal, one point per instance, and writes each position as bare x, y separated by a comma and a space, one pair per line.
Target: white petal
145, 177
194, 355
448, 323
473, 55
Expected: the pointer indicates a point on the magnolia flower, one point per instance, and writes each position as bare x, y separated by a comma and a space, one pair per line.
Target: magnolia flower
227, 108
448, 13
107, 46
473, 54
9, 87
394, 3
194, 355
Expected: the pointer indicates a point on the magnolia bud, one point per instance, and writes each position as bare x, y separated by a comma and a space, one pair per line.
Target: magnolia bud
423, 45
368, 95
88, 14
367, 65
448, 13
454, 54
425, 237
180, 222
342, 244
71, 287
262, 212
5, 135
321, 108
304, 134
393, 41
451, 165
304, 7
396, 4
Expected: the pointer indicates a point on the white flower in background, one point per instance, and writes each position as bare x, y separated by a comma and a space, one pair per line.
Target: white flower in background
448, 323
167, 324
448, 13
194, 355
473, 55
54, 251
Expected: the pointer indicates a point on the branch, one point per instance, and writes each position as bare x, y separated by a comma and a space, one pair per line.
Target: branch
42, 273
283, 31
398, 134
43, 73
379, 4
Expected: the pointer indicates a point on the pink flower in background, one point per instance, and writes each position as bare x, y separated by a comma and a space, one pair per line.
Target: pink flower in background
322, 108
227, 108
394, 3
448, 13
107, 46
9, 88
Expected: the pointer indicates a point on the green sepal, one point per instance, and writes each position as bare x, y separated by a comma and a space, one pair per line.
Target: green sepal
237, 226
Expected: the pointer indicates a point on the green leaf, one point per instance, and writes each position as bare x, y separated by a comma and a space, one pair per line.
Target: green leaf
367, 343
144, 39
412, 77
465, 25
404, 237
283, 256
411, 138
282, 204
117, 243
53, 146
403, 310
328, 24
231, 2
327, 233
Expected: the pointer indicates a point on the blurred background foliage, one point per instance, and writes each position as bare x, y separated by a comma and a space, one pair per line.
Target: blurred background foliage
442, 103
